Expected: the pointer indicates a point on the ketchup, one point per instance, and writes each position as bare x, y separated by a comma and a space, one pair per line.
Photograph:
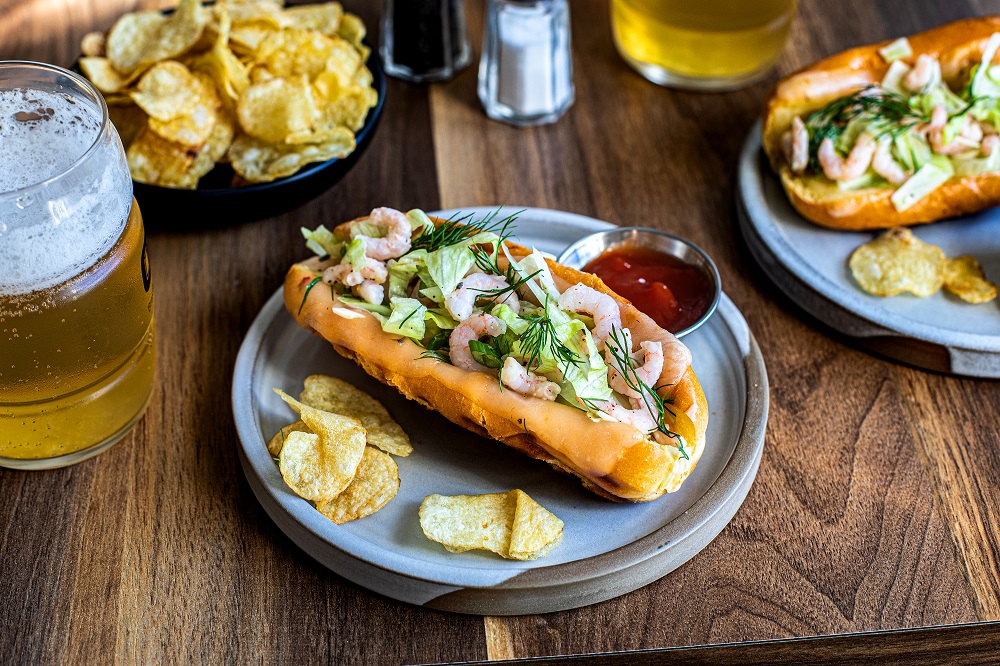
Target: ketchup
675, 294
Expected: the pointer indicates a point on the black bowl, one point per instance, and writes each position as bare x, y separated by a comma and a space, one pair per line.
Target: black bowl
215, 202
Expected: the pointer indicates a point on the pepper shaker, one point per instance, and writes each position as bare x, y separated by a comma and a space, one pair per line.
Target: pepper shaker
526, 70
424, 40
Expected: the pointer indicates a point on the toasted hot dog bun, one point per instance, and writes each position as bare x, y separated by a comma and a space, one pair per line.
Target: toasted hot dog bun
613, 459
958, 47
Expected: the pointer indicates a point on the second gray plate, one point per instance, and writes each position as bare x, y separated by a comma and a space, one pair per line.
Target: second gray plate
809, 264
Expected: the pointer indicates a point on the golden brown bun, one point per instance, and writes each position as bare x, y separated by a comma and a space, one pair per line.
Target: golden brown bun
613, 459
958, 46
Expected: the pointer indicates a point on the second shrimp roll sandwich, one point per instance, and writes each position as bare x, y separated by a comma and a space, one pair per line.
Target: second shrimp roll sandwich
507, 343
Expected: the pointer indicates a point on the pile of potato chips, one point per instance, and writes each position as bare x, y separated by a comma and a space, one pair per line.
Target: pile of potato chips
336, 456
897, 262
510, 524
267, 88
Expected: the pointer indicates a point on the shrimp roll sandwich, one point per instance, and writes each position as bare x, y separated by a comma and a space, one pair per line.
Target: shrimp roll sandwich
508, 344
891, 134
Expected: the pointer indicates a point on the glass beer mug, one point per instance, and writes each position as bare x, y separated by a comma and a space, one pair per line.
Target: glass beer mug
706, 45
76, 303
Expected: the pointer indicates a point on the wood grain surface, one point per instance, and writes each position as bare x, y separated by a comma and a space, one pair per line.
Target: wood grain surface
876, 505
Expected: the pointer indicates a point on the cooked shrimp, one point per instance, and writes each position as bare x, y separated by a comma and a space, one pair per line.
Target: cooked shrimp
639, 416
371, 292
797, 148
607, 315
396, 241
968, 137
648, 373
471, 329
517, 378
921, 74
990, 143
886, 166
461, 302
854, 165
352, 276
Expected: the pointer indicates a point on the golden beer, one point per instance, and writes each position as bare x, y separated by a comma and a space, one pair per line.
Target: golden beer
708, 44
76, 301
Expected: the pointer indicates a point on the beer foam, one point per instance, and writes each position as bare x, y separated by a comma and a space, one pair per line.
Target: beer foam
42, 134
52, 233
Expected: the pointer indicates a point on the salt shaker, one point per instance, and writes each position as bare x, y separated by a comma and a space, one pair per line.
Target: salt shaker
424, 40
526, 71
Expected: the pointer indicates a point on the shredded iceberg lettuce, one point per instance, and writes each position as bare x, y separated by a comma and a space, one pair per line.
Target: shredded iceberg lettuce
406, 318
321, 241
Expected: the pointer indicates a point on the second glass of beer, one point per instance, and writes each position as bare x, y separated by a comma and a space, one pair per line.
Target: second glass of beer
76, 301
707, 45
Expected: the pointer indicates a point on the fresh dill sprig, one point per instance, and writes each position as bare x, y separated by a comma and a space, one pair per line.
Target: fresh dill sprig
462, 228
891, 111
437, 348
540, 337
650, 398
316, 280
498, 295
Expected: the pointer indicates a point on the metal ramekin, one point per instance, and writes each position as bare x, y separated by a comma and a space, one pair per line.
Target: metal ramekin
580, 253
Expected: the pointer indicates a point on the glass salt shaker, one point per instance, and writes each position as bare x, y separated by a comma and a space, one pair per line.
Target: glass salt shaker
526, 71
424, 40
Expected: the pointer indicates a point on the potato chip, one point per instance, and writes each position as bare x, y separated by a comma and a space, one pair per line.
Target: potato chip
964, 277
157, 161
897, 261
509, 524
350, 109
244, 39
468, 522
227, 72
292, 83
271, 110
211, 152
260, 162
195, 124
104, 76
275, 443
318, 466
352, 29
264, 12
536, 531
324, 17
335, 395
93, 45
376, 482
168, 90
128, 119
148, 37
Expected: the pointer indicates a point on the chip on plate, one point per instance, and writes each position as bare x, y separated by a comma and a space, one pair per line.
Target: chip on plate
259, 161
335, 395
375, 483
898, 261
146, 37
155, 160
509, 524
964, 277
275, 443
319, 465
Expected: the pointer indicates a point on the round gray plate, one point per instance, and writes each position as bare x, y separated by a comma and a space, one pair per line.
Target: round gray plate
608, 548
809, 263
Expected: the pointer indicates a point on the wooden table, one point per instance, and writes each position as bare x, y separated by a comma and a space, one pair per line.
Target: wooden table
876, 505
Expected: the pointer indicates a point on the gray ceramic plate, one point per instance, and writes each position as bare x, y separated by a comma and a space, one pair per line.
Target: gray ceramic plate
809, 263
608, 549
